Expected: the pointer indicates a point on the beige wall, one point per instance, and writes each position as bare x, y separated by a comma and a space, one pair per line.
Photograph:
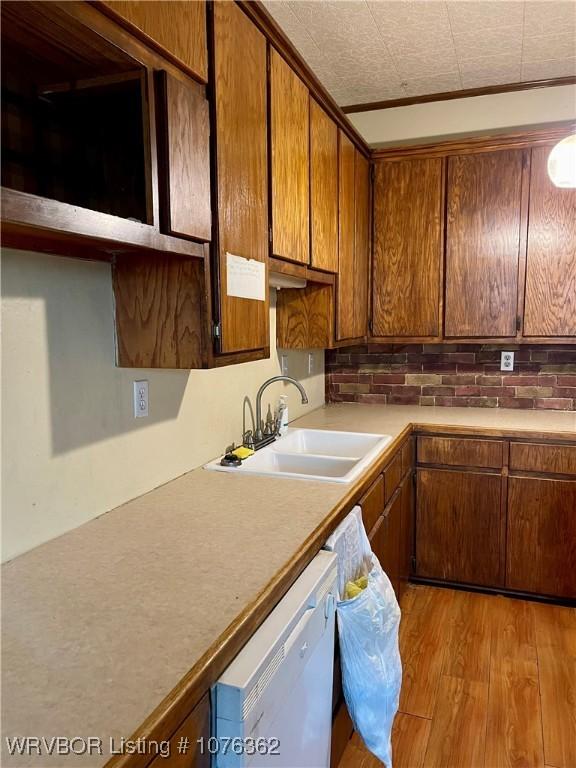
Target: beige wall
71, 447
479, 114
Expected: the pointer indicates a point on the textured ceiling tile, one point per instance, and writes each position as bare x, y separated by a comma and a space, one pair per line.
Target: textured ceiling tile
560, 46
491, 71
466, 17
473, 45
409, 24
440, 62
419, 86
541, 70
549, 18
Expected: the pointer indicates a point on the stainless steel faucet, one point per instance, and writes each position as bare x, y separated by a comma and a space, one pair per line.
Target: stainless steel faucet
259, 434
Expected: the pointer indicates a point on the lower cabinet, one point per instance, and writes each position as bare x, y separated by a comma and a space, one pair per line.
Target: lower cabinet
541, 541
458, 516
195, 731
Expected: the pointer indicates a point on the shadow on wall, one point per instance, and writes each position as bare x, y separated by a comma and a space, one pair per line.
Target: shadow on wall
58, 343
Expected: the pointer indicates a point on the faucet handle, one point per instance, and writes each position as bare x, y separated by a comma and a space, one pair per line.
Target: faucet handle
248, 439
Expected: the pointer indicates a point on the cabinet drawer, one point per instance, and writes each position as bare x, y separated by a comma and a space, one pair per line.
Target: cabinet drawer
372, 503
392, 476
539, 457
460, 452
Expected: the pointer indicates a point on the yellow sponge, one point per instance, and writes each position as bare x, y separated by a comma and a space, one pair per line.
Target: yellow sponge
242, 452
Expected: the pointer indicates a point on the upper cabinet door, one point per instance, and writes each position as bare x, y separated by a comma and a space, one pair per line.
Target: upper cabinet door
177, 27
361, 242
241, 170
407, 276
323, 190
482, 244
289, 132
184, 154
550, 301
345, 322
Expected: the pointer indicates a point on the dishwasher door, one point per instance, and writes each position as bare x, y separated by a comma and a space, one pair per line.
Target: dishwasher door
273, 705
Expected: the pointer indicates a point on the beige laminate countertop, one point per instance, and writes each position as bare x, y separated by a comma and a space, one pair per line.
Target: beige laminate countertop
99, 625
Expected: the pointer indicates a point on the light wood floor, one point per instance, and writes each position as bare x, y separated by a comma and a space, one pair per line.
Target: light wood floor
489, 682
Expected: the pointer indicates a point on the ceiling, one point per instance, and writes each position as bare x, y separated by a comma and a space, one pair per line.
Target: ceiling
376, 50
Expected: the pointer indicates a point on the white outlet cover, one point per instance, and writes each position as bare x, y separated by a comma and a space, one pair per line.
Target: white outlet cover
311, 363
507, 361
140, 399
284, 364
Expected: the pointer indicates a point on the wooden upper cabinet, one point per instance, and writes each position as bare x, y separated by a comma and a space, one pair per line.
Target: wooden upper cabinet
482, 244
361, 242
345, 320
323, 190
550, 300
241, 168
289, 134
184, 154
408, 248
177, 27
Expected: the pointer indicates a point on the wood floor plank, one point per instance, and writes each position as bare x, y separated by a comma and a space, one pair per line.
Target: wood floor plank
513, 629
458, 731
556, 644
468, 650
514, 728
409, 740
424, 634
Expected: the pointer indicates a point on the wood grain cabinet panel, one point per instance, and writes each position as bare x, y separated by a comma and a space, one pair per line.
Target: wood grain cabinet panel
195, 727
289, 137
184, 154
392, 475
177, 27
541, 550
458, 536
407, 532
323, 190
345, 320
240, 111
372, 503
407, 268
482, 244
305, 317
541, 457
361, 242
460, 452
550, 299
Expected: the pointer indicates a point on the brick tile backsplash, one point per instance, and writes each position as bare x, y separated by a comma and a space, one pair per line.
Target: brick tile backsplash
544, 377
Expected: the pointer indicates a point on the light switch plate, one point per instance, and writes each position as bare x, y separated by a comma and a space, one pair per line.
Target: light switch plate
507, 361
140, 399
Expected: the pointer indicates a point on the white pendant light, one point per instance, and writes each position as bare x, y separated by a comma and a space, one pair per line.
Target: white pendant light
562, 163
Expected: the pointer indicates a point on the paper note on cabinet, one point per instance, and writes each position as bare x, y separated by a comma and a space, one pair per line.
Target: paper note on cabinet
245, 278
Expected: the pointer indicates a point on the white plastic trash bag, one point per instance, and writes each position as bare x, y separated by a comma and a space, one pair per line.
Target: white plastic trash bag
368, 635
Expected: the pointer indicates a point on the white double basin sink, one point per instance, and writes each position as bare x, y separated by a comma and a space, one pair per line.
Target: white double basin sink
312, 454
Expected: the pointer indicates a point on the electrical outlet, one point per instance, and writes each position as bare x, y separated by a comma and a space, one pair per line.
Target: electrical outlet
140, 399
311, 363
507, 361
284, 365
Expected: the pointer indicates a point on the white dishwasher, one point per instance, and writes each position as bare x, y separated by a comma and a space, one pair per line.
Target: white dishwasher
273, 705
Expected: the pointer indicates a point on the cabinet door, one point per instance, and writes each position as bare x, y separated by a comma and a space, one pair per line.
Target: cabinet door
406, 532
407, 269
541, 548
458, 526
550, 301
289, 136
177, 27
361, 242
345, 322
194, 731
323, 190
482, 244
241, 169
184, 155
386, 541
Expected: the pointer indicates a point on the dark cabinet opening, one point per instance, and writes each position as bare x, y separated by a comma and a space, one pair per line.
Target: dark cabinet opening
74, 114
